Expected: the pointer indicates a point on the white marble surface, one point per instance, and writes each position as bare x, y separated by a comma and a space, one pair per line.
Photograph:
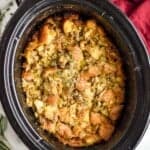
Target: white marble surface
15, 142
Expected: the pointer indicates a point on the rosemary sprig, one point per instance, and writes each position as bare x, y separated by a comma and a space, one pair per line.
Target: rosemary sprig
3, 13
5, 10
4, 145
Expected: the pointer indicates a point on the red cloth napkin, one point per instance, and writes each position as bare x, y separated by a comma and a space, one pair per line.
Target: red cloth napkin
139, 12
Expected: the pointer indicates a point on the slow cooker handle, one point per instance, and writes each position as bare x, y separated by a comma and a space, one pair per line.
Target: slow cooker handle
27, 2
19, 2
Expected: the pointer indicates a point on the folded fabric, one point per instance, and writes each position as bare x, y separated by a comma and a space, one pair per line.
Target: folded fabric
139, 12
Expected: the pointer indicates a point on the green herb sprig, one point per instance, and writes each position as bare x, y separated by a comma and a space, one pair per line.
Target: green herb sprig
5, 10
3, 13
4, 145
